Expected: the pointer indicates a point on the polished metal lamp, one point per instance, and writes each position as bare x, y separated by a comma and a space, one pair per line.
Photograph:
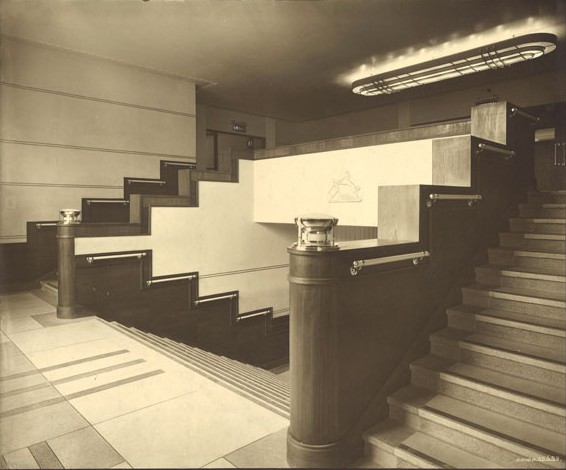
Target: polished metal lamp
494, 56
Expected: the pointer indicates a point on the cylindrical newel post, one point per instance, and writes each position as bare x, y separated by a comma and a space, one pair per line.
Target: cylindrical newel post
66, 303
314, 436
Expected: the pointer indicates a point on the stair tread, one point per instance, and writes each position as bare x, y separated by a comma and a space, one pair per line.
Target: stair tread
553, 205
526, 320
555, 396
506, 428
530, 253
544, 274
536, 352
523, 295
535, 236
540, 220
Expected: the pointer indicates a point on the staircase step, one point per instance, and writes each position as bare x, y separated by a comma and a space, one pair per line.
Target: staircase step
539, 331
511, 396
243, 386
393, 445
506, 440
514, 358
534, 241
527, 259
541, 197
544, 304
534, 225
544, 210
521, 278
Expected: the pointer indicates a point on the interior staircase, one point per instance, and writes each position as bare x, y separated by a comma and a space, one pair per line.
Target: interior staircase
258, 385
491, 393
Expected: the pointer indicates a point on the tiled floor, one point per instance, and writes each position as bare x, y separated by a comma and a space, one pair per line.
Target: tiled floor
80, 394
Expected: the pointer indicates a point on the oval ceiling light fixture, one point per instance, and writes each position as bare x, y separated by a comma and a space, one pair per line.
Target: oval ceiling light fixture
494, 56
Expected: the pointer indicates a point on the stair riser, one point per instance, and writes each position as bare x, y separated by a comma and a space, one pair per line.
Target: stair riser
531, 244
523, 226
488, 400
505, 258
493, 278
471, 297
386, 459
512, 367
535, 338
547, 198
473, 441
461, 321
542, 212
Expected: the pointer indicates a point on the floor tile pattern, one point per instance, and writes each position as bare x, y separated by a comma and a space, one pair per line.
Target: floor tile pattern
80, 394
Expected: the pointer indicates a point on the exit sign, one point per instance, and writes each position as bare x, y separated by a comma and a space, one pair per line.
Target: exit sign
238, 126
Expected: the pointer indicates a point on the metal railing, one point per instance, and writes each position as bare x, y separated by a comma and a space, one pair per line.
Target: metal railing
171, 278
46, 224
490, 148
211, 299
416, 257
470, 198
107, 201
254, 314
92, 259
518, 112
130, 181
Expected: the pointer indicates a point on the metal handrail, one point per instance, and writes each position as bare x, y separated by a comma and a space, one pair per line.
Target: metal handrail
264, 312
178, 164
91, 259
133, 180
166, 279
107, 201
46, 224
416, 257
508, 153
210, 299
470, 198
518, 112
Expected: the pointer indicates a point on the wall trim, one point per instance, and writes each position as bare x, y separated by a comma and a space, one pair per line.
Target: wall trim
98, 100
61, 185
244, 271
96, 149
13, 237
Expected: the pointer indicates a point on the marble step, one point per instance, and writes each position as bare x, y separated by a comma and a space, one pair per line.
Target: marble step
505, 440
527, 361
392, 445
538, 331
533, 242
243, 387
508, 395
522, 278
538, 225
552, 197
546, 262
544, 210
538, 303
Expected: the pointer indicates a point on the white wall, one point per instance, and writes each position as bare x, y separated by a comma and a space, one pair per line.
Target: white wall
219, 240
291, 186
74, 125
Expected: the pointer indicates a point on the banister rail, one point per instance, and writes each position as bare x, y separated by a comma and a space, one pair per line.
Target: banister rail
137, 180
517, 112
470, 198
417, 257
219, 297
107, 201
254, 313
179, 164
92, 259
46, 224
170, 278
485, 147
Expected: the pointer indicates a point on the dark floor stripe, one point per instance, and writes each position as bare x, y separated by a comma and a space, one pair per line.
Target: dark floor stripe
35, 406
19, 375
83, 360
97, 371
108, 386
44, 456
31, 388
493, 432
421, 455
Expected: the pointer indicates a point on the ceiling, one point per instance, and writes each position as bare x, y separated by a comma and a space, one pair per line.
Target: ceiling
289, 59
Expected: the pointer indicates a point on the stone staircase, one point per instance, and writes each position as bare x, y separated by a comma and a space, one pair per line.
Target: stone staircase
491, 393
258, 385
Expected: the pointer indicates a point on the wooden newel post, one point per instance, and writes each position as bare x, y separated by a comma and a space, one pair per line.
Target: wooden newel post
66, 303
313, 439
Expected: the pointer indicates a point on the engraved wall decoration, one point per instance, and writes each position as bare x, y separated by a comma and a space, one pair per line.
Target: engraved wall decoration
344, 190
